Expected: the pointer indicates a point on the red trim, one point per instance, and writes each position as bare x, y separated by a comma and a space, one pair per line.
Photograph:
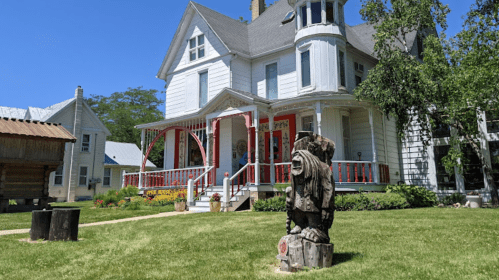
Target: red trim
292, 128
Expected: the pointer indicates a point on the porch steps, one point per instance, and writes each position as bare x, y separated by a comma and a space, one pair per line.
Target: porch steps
203, 204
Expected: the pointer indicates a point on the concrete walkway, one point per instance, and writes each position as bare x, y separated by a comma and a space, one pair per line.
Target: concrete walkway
160, 215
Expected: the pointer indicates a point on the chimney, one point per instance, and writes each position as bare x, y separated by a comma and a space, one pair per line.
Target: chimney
79, 93
257, 8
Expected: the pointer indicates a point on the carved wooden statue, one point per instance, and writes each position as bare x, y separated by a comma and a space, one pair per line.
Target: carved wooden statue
310, 198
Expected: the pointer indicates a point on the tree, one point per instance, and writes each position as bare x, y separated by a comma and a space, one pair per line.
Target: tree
456, 82
121, 111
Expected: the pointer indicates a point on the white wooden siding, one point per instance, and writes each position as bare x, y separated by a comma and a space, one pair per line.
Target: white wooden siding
286, 71
241, 74
415, 159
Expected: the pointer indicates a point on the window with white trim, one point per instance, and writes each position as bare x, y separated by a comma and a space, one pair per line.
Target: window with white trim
341, 60
306, 79
330, 12
492, 119
307, 123
58, 175
82, 179
271, 80
316, 11
85, 143
106, 182
203, 89
196, 47
304, 16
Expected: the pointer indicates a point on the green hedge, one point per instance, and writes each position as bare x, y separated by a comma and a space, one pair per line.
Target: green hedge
416, 196
370, 201
275, 204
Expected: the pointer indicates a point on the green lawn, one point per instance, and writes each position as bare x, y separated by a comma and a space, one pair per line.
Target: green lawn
430, 243
87, 215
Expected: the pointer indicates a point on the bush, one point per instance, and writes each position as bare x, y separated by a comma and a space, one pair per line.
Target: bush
416, 196
12, 202
370, 201
453, 198
129, 191
275, 204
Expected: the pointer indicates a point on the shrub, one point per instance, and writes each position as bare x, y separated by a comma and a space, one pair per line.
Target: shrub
129, 191
12, 202
453, 198
416, 196
275, 204
370, 201
135, 203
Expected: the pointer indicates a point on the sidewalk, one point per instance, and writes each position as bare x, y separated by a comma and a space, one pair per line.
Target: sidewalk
160, 215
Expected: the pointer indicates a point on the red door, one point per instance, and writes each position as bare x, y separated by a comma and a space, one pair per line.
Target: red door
277, 150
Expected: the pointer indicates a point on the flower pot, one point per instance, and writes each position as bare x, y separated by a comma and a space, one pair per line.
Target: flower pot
215, 206
179, 206
475, 201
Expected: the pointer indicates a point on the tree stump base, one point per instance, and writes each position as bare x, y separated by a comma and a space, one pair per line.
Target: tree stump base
40, 225
64, 225
296, 253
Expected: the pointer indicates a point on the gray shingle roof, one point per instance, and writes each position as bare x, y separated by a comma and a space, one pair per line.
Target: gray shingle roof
126, 154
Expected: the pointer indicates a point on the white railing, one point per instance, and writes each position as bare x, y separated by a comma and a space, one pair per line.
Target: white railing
242, 179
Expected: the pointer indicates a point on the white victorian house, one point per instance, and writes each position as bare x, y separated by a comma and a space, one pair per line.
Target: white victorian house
233, 87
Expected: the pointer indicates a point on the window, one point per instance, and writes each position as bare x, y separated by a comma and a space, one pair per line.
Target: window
271, 80
307, 123
315, 8
85, 143
196, 46
445, 181
472, 170
440, 129
58, 175
420, 46
492, 118
305, 69
304, 15
329, 12
203, 89
358, 80
107, 177
289, 17
83, 176
345, 121
494, 157
342, 69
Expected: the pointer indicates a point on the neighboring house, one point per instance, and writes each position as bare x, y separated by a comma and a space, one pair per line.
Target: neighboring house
230, 85
120, 158
84, 159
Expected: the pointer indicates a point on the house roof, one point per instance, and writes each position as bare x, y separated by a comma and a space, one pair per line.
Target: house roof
124, 154
20, 127
10, 112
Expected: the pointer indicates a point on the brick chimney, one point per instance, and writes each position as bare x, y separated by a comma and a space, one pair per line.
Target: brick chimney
257, 8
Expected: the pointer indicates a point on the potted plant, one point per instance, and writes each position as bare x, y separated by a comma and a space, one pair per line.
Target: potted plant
180, 200
215, 203
475, 199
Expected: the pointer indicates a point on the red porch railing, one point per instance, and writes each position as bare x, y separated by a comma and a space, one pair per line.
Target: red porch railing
199, 181
264, 173
240, 179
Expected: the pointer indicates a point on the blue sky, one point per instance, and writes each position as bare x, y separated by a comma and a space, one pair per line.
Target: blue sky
49, 47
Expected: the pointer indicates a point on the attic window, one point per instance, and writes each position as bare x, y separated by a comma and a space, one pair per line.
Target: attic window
289, 17
196, 46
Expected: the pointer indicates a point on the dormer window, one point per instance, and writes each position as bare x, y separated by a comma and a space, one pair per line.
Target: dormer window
196, 46
289, 17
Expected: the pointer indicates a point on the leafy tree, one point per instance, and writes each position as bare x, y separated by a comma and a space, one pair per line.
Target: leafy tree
455, 83
121, 111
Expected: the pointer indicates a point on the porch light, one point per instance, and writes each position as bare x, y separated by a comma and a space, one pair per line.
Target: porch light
359, 154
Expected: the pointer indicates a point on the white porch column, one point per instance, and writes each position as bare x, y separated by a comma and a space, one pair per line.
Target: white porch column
142, 143
373, 142
272, 166
209, 140
318, 112
256, 124
309, 13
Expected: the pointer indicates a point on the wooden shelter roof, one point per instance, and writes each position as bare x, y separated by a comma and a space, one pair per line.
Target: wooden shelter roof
34, 129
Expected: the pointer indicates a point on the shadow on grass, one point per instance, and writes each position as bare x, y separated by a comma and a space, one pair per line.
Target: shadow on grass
67, 207
345, 257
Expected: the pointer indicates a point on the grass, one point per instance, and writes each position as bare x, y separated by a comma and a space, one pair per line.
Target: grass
429, 243
87, 215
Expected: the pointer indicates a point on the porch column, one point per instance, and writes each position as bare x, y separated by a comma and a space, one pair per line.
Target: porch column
247, 122
318, 112
142, 143
209, 140
214, 133
272, 166
373, 143
256, 124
